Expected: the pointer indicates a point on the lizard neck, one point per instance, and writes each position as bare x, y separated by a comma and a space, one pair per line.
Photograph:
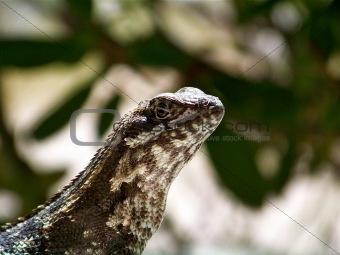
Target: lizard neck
116, 204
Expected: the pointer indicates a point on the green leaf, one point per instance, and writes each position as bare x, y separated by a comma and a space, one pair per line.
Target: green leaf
250, 101
325, 25
61, 116
48, 179
250, 10
29, 53
331, 119
81, 8
156, 50
233, 158
106, 120
288, 161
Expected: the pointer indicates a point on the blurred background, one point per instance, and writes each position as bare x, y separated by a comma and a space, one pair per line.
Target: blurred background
266, 182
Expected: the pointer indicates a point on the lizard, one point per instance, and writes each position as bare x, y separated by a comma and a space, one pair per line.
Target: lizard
118, 201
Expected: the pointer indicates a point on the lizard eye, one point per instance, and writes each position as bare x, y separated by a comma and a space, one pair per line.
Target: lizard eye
162, 111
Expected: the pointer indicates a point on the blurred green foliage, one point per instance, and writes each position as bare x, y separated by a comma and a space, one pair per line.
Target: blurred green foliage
305, 111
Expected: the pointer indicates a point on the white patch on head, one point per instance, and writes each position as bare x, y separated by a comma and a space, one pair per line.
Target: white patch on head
140, 139
115, 219
142, 169
161, 154
194, 126
213, 119
86, 233
188, 114
156, 148
116, 181
145, 137
193, 148
126, 222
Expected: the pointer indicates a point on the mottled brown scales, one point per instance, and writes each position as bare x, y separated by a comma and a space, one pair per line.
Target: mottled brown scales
117, 203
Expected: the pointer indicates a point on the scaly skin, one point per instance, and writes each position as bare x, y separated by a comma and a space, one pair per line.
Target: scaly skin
117, 203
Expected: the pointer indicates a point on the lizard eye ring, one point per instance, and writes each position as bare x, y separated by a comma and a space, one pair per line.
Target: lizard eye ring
162, 111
